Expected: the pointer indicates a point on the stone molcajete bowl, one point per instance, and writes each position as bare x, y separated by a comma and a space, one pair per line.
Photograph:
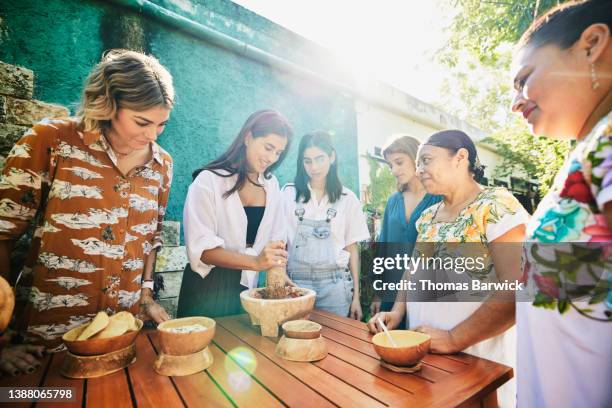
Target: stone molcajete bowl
270, 313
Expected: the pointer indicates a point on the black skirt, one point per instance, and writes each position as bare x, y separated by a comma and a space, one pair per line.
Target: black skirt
216, 295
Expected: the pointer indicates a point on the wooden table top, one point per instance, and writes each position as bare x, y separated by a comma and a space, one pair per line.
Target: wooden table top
246, 372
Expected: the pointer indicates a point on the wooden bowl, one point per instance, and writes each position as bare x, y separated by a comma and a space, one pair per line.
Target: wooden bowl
181, 344
411, 347
183, 365
269, 314
301, 349
302, 329
96, 347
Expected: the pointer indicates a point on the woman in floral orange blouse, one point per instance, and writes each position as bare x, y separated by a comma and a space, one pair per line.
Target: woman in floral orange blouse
99, 184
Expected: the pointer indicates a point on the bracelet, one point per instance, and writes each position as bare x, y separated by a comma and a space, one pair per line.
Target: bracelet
147, 284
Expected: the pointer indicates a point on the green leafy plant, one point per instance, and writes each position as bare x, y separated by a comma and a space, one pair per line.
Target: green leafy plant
382, 185
478, 87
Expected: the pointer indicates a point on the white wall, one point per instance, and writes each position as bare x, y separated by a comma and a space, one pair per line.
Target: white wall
375, 125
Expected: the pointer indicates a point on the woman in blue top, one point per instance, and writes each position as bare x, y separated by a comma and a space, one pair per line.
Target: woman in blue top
403, 208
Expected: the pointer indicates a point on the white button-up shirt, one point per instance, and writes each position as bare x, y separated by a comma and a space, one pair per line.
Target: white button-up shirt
211, 221
347, 227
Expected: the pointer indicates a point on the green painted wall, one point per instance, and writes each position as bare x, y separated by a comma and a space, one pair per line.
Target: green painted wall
60, 40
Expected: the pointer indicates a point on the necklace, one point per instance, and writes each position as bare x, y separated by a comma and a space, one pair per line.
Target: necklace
461, 207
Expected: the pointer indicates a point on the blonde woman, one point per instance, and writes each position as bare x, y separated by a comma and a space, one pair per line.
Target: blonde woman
403, 209
101, 184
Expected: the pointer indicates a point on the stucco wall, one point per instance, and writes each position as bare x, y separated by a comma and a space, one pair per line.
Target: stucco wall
375, 125
60, 40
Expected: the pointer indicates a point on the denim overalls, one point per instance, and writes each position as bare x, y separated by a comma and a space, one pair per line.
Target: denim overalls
312, 263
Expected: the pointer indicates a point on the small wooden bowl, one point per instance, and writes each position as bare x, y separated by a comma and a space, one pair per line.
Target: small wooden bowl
183, 365
96, 347
301, 349
302, 329
181, 344
411, 347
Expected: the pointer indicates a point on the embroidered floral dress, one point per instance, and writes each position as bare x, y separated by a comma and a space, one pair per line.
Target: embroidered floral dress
493, 213
95, 226
565, 329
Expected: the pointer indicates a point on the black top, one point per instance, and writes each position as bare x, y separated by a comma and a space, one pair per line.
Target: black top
254, 216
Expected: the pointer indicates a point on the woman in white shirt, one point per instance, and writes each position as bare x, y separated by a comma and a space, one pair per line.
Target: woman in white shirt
324, 224
233, 219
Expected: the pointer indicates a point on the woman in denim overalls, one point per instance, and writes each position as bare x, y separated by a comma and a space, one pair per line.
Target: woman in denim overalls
325, 223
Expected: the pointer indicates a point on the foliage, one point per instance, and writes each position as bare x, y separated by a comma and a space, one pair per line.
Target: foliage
521, 152
367, 251
479, 94
478, 89
481, 26
382, 185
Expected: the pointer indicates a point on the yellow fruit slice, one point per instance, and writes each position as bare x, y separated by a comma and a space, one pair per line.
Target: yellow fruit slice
114, 328
126, 317
98, 324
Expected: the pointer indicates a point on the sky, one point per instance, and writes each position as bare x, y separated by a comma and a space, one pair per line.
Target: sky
391, 40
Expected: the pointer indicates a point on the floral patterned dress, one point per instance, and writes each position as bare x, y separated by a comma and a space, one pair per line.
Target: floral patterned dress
565, 330
493, 213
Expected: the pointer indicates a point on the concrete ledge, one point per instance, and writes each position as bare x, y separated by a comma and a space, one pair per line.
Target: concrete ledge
172, 284
16, 81
9, 134
28, 112
171, 259
171, 233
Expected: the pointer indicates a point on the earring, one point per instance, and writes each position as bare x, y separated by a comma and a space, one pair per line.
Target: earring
594, 79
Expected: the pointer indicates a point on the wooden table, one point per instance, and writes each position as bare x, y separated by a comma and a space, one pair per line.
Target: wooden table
247, 373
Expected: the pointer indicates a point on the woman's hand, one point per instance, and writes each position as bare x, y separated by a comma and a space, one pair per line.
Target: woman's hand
442, 341
19, 359
391, 319
355, 311
272, 256
152, 310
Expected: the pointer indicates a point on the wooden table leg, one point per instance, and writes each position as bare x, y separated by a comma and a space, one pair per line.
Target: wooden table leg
488, 401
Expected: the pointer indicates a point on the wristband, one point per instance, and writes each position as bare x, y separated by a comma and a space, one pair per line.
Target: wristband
147, 284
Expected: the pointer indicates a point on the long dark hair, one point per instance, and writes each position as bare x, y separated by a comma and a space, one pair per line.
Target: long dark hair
453, 140
564, 24
333, 186
233, 161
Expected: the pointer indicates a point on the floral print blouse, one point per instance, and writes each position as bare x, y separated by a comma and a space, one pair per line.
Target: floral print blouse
493, 213
95, 227
568, 255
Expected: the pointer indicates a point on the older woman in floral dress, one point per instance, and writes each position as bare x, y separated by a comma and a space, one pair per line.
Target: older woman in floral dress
473, 220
